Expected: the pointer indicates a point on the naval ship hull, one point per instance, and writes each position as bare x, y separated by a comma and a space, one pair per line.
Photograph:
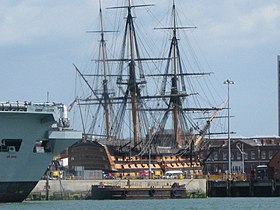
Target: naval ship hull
15, 191
28, 142
107, 158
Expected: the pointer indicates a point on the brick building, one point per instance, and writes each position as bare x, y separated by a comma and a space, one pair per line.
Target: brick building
246, 154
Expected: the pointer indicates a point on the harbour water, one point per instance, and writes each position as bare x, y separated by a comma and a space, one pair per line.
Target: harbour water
176, 204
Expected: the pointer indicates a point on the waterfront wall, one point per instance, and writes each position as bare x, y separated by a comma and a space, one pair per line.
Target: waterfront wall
82, 187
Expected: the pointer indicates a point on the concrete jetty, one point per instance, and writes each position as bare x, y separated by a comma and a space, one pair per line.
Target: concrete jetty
79, 189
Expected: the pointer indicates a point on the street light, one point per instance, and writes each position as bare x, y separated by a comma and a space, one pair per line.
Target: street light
229, 82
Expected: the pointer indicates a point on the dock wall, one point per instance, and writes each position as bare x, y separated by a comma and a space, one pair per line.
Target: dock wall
81, 188
253, 188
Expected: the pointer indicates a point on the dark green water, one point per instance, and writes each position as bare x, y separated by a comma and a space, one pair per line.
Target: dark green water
207, 203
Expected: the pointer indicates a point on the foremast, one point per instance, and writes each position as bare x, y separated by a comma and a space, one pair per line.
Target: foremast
175, 102
179, 93
104, 100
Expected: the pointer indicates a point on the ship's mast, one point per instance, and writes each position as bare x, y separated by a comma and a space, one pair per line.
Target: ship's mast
174, 89
105, 80
105, 99
132, 82
177, 73
132, 77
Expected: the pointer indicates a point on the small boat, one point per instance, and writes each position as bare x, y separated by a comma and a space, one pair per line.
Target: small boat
102, 192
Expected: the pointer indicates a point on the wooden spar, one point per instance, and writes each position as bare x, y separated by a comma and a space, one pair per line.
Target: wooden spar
93, 91
132, 77
203, 132
105, 80
104, 100
175, 102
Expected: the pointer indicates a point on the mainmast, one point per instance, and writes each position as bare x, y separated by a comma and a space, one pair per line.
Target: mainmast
174, 88
133, 78
178, 88
133, 87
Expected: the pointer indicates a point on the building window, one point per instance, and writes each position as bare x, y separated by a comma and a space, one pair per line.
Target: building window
263, 155
253, 155
225, 167
208, 167
225, 156
246, 156
270, 154
215, 155
236, 169
238, 156
216, 168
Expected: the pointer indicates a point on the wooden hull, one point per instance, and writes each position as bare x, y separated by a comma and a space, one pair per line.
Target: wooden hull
123, 164
128, 164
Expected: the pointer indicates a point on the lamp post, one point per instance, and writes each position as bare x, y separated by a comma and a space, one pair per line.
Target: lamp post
229, 82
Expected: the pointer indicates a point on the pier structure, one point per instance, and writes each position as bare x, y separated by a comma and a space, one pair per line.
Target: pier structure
80, 189
232, 188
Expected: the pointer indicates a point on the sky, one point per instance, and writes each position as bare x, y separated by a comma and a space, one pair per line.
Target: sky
240, 39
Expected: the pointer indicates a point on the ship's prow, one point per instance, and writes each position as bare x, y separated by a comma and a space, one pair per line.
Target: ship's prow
30, 135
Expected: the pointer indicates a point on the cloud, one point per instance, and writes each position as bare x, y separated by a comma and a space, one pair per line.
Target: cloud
24, 22
260, 19
254, 25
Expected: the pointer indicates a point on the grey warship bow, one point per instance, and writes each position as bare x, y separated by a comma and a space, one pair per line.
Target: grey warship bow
30, 135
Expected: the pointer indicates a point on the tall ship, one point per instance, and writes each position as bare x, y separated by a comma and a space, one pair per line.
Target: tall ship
30, 135
142, 114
